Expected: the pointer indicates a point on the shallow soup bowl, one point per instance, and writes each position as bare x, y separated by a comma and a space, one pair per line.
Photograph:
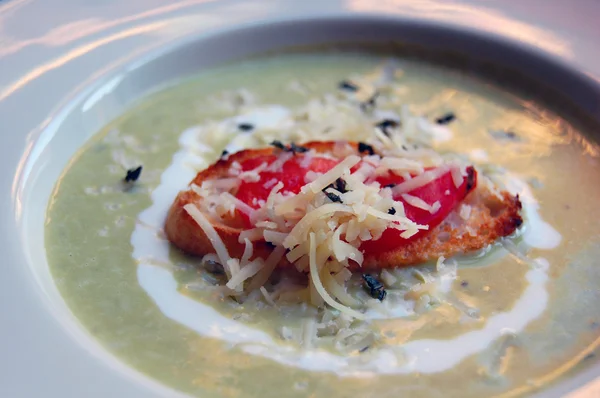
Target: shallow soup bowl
46, 339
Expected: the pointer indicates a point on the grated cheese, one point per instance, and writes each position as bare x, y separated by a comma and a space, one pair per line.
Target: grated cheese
457, 176
465, 212
280, 161
238, 204
336, 172
248, 251
269, 184
399, 165
275, 237
338, 291
420, 180
245, 273
314, 276
263, 275
266, 224
251, 234
254, 174
209, 231
268, 297
298, 234
439, 265
417, 202
319, 234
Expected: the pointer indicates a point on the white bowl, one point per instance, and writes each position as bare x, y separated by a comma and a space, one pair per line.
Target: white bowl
91, 62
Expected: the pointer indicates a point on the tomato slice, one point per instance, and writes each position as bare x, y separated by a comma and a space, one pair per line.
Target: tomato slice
442, 190
291, 174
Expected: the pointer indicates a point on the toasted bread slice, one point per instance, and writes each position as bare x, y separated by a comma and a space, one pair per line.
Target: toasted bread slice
490, 219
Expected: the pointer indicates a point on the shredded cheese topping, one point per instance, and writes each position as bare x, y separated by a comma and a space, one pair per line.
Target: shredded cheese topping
311, 230
319, 236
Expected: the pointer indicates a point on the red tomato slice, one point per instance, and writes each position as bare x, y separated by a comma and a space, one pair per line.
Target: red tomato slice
291, 174
442, 190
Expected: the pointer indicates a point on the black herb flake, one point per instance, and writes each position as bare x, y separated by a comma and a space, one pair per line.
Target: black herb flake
370, 103
374, 287
446, 119
391, 211
470, 178
224, 153
297, 149
517, 222
387, 124
348, 86
464, 283
133, 174
333, 197
508, 135
589, 356
392, 185
340, 185
214, 268
365, 148
245, 127
277, 144
293, 148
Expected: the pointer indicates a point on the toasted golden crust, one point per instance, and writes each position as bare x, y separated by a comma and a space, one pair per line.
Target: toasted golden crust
490, 219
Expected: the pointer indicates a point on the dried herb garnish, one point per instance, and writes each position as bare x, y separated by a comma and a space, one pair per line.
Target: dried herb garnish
293, 148
387, 124
505, 135
589, 356
333, 197
392, 211
464, 283
392, 185
297, 149
245, 127
133, 174
375, 287
362, 148
214, 267
517, 221
446, 119
370, 103
340, 185
277, 144
348, 86
470, 178
224, 153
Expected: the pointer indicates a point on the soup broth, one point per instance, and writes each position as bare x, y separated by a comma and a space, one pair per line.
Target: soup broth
505, 325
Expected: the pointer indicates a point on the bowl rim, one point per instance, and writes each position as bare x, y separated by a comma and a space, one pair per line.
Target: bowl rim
78, 98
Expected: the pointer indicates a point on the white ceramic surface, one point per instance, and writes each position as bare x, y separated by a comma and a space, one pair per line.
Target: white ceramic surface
71, 65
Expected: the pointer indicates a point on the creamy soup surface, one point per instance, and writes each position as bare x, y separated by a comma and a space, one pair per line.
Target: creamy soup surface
502, 321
